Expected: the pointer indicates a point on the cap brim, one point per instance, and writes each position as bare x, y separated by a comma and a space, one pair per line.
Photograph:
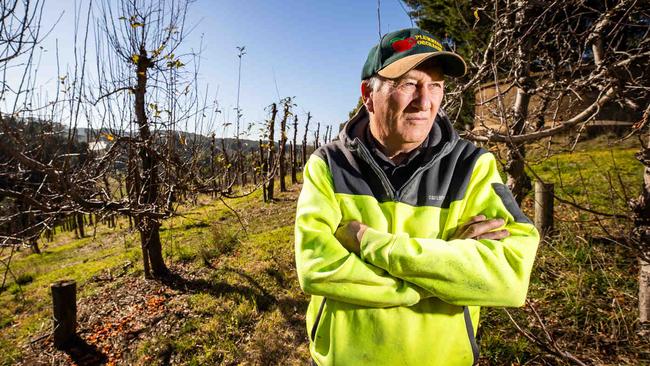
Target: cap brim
451, 63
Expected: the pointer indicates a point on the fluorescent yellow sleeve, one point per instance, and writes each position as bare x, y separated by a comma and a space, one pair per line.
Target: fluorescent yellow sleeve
325, 267
464, 272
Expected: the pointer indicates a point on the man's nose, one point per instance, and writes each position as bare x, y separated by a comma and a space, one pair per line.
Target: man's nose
423, 99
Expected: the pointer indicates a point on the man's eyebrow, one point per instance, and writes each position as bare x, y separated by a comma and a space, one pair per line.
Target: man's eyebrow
405, 78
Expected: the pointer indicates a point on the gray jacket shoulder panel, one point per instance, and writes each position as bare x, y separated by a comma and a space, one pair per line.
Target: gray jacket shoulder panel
438, 185
509, 201
349, 174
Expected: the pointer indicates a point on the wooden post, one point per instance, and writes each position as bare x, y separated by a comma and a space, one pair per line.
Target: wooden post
544, 207
64, 306
644, 294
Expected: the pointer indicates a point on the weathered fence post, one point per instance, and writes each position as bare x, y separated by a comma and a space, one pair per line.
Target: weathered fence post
544, 207
644, 296
64, 306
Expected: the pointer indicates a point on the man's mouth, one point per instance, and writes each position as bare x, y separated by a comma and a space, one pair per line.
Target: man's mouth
417, 118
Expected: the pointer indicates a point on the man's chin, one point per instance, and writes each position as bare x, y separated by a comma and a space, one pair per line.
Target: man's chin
413, 141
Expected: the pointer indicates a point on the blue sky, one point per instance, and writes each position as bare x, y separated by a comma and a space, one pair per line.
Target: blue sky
312, 49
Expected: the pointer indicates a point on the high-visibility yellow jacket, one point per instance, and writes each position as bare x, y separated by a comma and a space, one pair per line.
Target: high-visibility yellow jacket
412, 296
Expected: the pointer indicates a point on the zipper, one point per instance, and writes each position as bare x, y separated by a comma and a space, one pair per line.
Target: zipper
422, 168
385, 183
314, 329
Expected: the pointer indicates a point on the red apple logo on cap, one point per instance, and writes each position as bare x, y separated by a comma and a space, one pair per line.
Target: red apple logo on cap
403, 44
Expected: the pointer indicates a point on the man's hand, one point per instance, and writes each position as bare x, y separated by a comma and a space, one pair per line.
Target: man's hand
479, 227
349, 234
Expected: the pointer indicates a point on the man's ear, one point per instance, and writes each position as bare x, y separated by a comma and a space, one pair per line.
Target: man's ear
366, 96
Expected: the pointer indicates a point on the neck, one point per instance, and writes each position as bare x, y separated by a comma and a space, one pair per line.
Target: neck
396, 151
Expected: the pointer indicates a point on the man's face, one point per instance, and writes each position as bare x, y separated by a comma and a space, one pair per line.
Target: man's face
403, 110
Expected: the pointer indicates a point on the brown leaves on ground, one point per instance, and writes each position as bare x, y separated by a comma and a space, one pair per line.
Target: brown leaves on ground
114, 319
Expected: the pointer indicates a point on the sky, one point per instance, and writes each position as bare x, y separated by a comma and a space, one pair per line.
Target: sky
310, 49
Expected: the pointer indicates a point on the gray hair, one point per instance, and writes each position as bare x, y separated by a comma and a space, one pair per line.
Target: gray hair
374, 82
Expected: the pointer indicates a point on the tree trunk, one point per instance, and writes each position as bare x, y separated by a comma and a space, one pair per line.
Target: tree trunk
75, 225
517, 180
226, 161
33, 244
326, 138
283, 144
292, 154
263, 170
317, 136
80, 224
270, 161
213, 154
242, 168
255, 166
641, 231
150, 242
304, 141
282, 167
294, 179
147, 226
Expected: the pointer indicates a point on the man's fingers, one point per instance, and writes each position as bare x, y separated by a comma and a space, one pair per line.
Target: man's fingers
495, 235
480, 228
477, 218
347, 235
461, 232
483, 227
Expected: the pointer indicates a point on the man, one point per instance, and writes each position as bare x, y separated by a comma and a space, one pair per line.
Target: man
402, 228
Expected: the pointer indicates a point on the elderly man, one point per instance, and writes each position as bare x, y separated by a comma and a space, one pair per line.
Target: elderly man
403, 230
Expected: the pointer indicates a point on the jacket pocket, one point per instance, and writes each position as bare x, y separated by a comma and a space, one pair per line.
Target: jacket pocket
314, 328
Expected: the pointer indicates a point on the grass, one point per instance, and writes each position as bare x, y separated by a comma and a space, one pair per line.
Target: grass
250, 316
240, 302
583, 286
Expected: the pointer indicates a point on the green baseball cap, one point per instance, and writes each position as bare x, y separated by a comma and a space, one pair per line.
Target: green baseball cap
401, 51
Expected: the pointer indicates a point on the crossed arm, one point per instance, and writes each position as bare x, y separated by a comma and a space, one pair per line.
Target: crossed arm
354, 263
478, 227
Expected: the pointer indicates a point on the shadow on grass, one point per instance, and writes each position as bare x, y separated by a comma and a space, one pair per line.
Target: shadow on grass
292, 309
196, 224
84, 354
254, 291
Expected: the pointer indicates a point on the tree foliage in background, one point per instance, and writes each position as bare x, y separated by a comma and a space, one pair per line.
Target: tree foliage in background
552, 67
550, 50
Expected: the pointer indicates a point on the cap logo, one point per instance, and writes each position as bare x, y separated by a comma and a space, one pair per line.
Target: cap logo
401, 44
404, 49
428, 41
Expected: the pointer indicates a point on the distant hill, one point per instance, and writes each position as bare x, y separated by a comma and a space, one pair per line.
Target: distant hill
91, 135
